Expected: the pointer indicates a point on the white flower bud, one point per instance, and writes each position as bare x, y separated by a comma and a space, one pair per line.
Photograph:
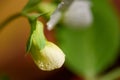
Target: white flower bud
49, 58
78, 14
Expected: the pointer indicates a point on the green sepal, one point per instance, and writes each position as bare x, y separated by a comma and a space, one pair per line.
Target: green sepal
38, 38
36, 33
32, 22
29, 44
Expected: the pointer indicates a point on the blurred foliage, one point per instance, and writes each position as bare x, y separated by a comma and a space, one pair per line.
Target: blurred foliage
90, 51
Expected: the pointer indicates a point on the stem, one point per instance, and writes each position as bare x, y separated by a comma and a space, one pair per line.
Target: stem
9, 19
112, 75
90, 78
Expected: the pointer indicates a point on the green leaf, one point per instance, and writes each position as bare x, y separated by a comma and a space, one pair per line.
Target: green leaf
31, 4
91, 51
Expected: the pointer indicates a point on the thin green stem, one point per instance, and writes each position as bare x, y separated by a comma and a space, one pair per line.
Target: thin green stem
113, 75
9, 19
91, 78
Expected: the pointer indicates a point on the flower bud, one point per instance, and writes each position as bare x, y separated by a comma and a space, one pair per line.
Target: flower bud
78, 14
46, 55
49, 58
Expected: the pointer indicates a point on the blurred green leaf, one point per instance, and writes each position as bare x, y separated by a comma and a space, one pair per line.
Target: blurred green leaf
92, 50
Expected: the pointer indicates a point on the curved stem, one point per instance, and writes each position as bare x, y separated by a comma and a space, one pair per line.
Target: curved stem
9, 19
112, 75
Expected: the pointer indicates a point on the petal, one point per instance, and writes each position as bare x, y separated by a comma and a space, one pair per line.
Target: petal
49, 58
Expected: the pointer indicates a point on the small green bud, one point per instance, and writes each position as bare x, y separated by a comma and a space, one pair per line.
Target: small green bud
49, 58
